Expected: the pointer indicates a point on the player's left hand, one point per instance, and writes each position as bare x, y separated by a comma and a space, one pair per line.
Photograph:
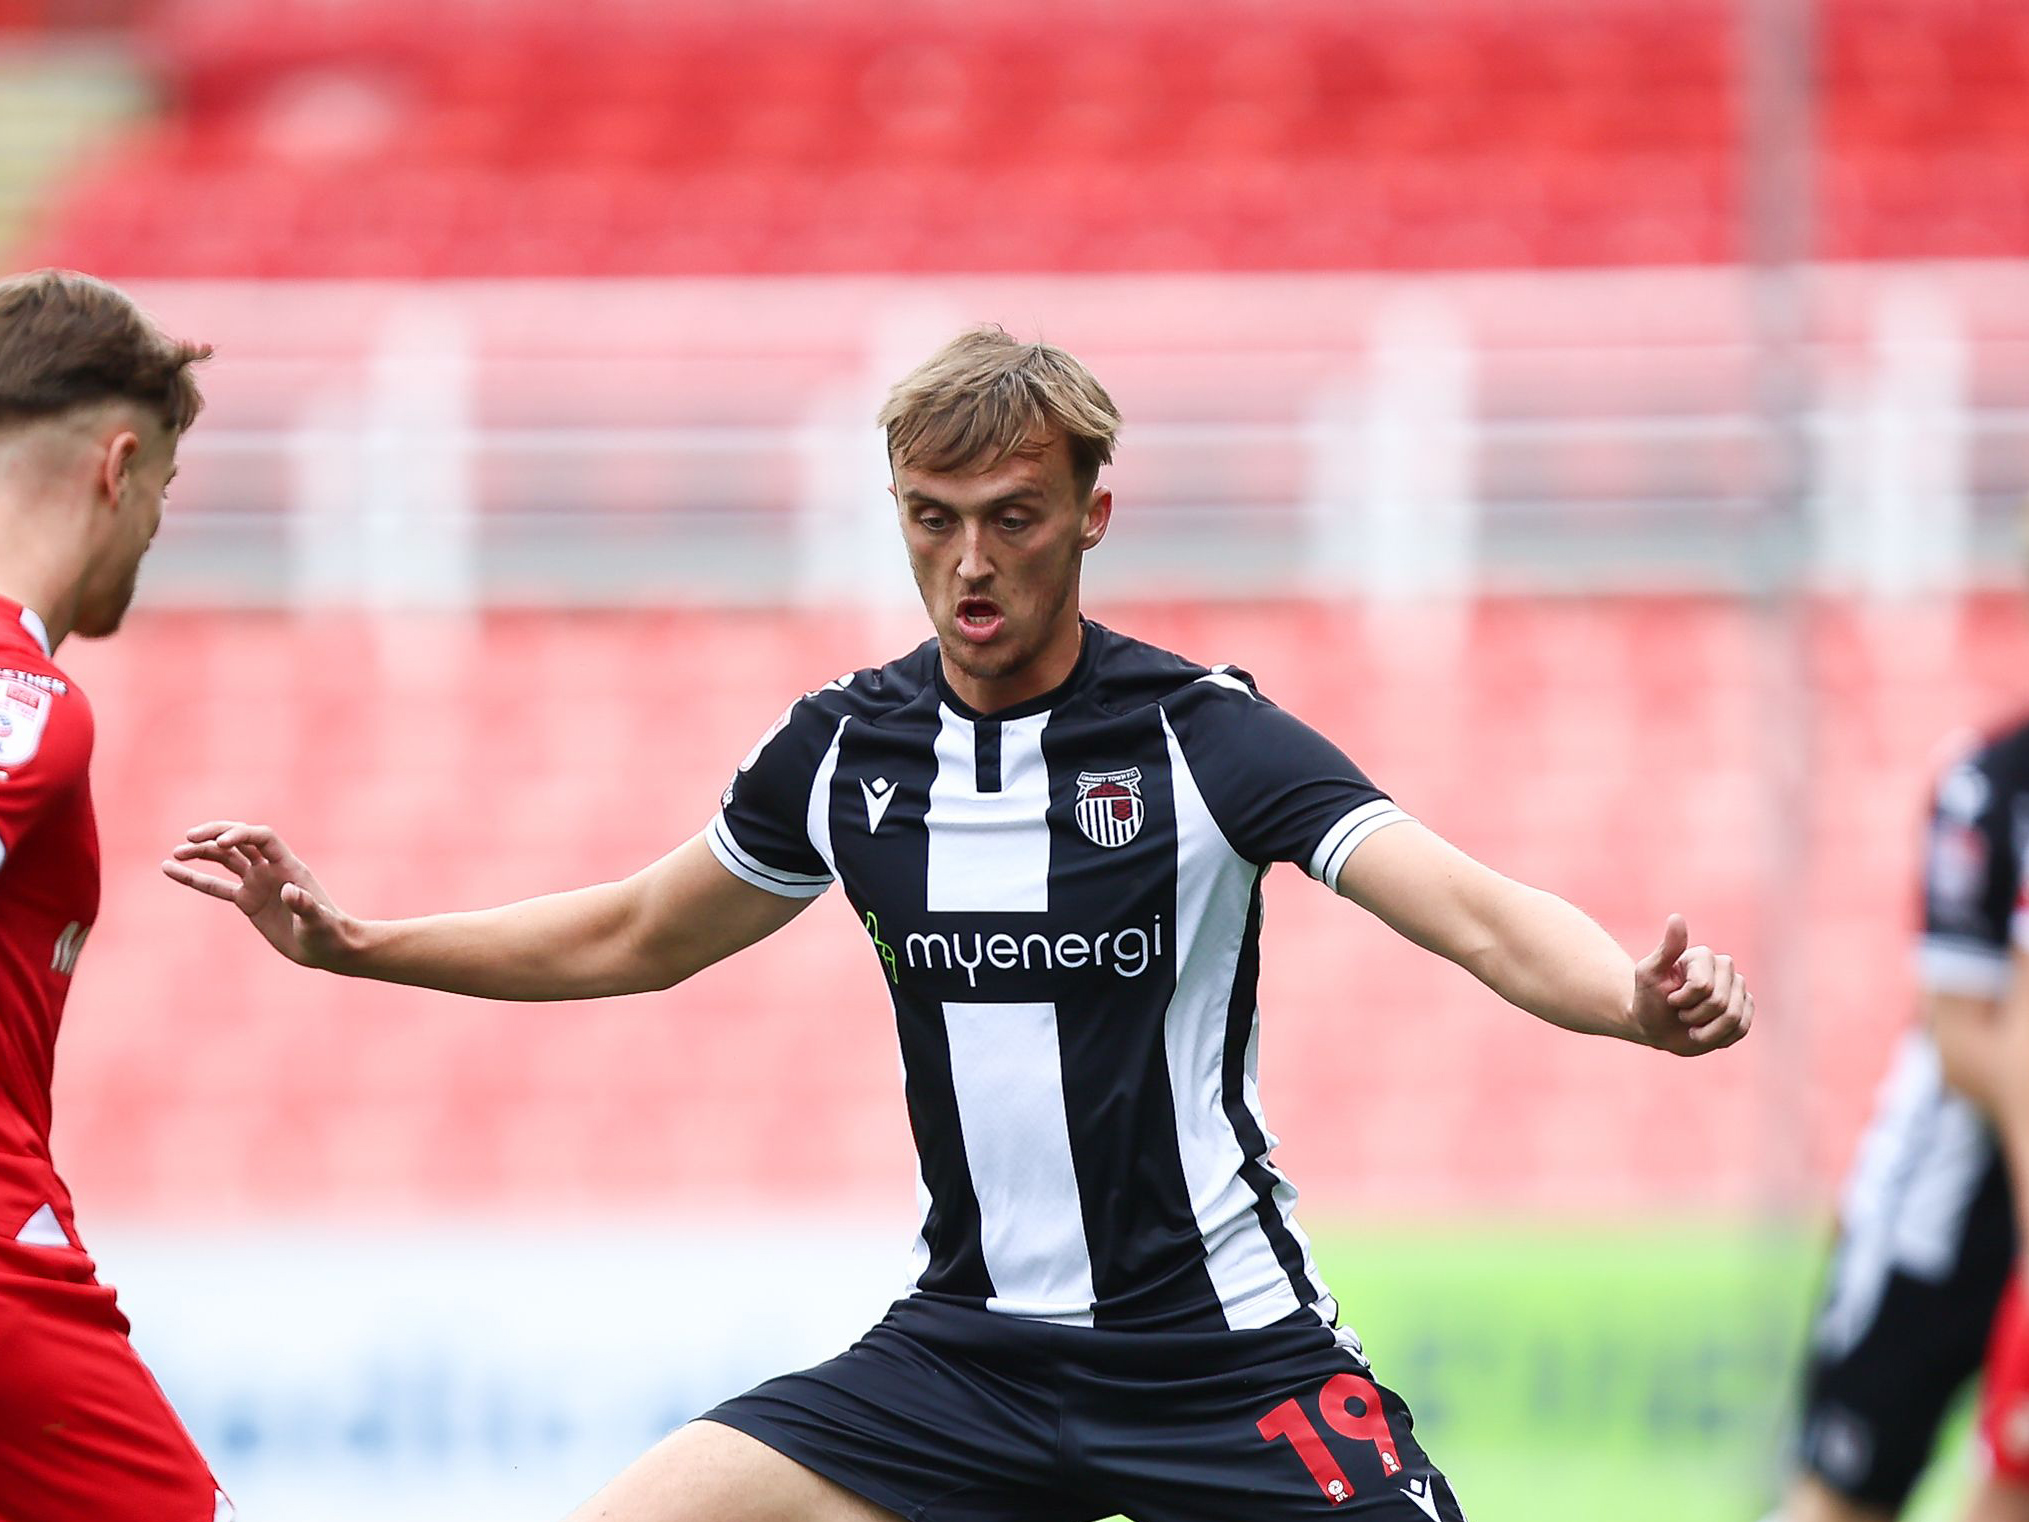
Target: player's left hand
1689, 999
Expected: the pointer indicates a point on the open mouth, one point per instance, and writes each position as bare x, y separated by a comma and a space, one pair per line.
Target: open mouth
978, 619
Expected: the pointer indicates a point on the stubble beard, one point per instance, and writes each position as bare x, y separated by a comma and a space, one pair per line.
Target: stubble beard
106, 620
985, 665
1013, 656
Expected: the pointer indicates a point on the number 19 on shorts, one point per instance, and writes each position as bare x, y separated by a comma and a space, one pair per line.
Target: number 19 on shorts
1334, 1402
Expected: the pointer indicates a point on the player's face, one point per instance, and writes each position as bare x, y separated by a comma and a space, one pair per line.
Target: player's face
135, 489
996, 555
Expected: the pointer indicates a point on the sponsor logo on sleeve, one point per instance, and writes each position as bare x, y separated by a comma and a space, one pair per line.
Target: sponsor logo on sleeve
836, 684
1957, 871
773, 730
1964, 792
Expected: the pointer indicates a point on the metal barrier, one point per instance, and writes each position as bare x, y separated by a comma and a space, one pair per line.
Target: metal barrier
1391, 438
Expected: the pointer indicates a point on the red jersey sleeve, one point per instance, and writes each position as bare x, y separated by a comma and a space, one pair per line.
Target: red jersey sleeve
45, 748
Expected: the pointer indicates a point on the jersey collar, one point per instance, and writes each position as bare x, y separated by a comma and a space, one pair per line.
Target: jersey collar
32, 622
1042, 702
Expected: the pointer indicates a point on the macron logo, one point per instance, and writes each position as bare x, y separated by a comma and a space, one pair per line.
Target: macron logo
878, 794
1419, 1491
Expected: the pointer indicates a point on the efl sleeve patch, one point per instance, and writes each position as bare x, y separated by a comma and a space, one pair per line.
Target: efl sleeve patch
762, 831
1279, 790
1969, 866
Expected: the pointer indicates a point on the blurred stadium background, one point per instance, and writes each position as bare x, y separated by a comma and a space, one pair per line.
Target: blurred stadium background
1608, 418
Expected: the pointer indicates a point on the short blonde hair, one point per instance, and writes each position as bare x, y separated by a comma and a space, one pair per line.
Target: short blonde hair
985, 396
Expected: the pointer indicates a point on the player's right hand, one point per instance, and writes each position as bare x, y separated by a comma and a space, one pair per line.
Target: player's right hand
1689, 999
270, 886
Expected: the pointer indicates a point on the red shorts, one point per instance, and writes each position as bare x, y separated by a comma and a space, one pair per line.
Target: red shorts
86, 1435
2004, 1404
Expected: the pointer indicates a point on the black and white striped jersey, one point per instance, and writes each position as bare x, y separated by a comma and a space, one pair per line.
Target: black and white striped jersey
1064, 900
1927, 1196
1973, 866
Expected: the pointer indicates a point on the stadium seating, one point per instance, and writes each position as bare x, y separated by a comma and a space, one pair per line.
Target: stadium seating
1640, 756
518, 137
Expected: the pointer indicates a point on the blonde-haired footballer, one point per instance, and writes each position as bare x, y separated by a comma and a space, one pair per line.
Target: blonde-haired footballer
1054, 837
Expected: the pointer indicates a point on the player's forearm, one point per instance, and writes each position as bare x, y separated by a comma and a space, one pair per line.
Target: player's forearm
1548, 957
575, 945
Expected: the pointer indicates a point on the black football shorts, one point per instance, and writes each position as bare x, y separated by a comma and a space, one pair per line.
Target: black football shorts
945, 1413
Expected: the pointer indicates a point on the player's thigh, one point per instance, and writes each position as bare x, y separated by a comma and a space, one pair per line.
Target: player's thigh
86, 1432
709, 1473
1811, 1500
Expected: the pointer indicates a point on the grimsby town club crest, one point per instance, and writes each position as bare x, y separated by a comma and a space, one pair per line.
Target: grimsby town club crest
1109, 808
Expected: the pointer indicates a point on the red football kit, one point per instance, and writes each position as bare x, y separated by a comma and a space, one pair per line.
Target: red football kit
86, 1435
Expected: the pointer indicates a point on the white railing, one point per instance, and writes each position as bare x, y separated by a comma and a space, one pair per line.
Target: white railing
711, 441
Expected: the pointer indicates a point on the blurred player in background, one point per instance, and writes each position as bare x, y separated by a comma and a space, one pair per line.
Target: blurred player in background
1926, 1226
93, 400
1997, 782
1054, 837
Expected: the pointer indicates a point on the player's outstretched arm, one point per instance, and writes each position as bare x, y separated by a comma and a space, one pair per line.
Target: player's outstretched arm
673, 918
1541, 954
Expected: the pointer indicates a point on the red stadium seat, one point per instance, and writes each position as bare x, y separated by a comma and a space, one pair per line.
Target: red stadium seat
1609, 138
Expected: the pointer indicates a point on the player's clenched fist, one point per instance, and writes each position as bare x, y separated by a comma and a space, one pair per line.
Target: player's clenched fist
1689, 999
270, 885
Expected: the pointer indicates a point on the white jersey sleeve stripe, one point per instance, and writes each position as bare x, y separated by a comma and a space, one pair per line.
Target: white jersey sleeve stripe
817, 817
1345, 837
747, 869
1948, 965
